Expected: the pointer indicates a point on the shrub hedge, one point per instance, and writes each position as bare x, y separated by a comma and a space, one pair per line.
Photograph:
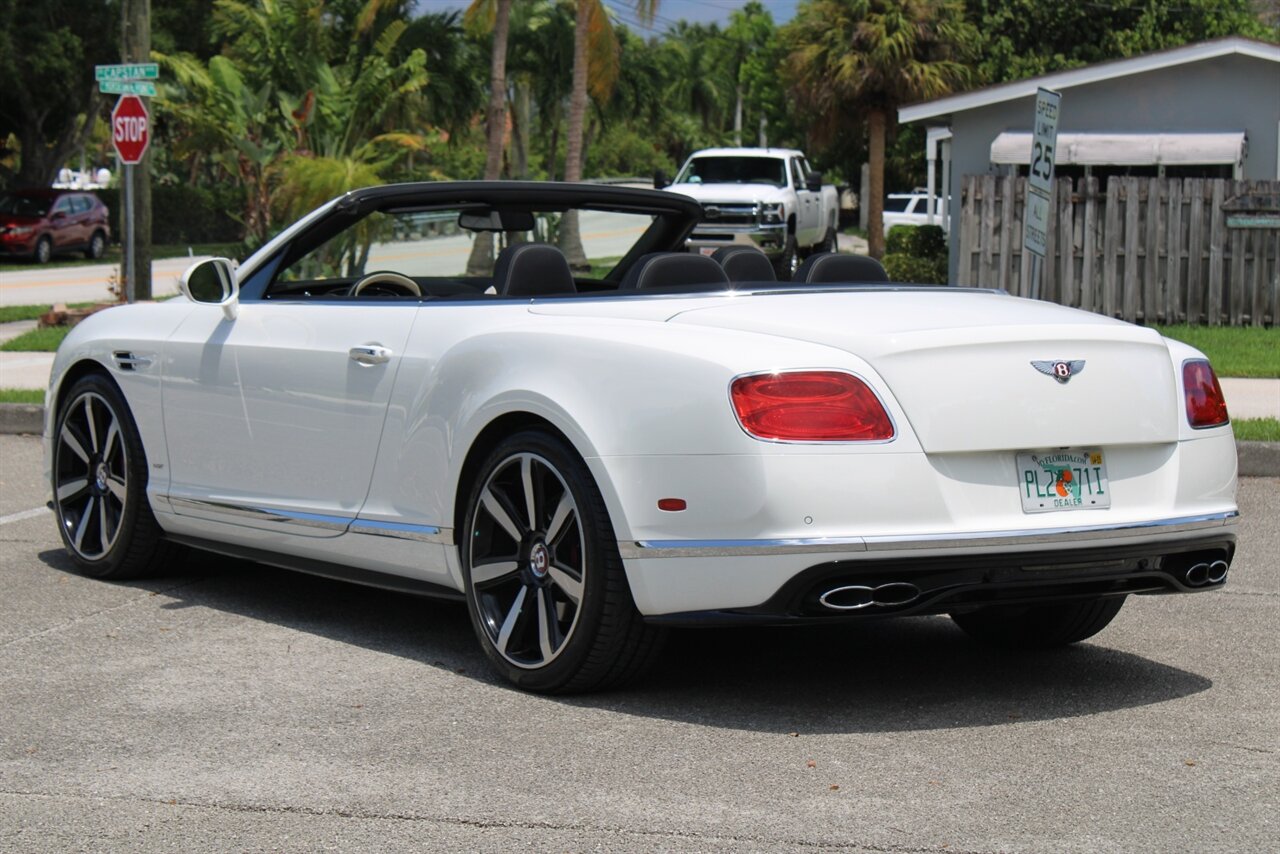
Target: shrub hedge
181, 213
916, 254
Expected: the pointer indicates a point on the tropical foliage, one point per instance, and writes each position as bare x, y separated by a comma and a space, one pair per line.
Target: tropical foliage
293, 101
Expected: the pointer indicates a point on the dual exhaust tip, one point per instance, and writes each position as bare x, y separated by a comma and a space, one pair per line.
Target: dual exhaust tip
855, 597
1206, 573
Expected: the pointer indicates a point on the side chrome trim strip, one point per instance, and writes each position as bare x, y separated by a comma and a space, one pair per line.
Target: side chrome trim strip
264, 514
403, 531
350, 524
977, 539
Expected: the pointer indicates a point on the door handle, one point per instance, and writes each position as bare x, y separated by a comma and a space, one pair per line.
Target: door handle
370, 354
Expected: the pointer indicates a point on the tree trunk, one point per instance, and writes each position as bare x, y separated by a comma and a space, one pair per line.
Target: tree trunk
570, 236
737, 118
521, 111
137, 48
481, 261
875, 204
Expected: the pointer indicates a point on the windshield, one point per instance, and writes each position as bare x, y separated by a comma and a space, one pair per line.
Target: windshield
11, 203
734, 170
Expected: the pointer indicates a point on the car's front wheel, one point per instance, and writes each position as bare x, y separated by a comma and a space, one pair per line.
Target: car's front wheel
546, 589
99, 484
1039, 626
44, 250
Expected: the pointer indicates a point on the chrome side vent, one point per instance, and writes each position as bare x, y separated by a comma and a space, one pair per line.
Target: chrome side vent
128, 361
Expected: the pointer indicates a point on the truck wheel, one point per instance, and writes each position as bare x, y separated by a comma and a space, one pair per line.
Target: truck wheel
828, 244
786, 264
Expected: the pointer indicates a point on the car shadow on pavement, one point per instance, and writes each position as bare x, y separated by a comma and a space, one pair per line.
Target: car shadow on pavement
878, 676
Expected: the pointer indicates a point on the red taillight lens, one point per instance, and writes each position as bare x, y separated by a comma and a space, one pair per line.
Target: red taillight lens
1206, 407
810, 406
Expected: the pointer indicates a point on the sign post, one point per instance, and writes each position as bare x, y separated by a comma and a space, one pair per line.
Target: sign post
1040, 184
130, 134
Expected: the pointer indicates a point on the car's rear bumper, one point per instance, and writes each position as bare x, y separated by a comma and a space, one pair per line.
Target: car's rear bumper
785, 581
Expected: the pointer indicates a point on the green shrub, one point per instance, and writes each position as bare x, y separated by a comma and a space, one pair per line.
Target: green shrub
916, 254
902, 267
181, 213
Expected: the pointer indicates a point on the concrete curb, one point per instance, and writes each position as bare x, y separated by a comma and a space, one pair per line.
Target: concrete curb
1257, 459
21, 418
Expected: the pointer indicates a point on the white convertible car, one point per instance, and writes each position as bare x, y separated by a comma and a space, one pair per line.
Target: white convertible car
587, 457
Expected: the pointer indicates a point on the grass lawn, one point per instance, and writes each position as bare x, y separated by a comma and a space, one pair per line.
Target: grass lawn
1248, 351
115, 255
37, 340
10, 313
22, 395
1256, 429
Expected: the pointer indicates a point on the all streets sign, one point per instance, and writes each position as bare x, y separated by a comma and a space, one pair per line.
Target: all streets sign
130, 128
1040, 184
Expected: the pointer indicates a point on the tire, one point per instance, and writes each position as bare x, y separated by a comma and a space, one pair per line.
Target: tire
829, 242
786, 264
1039, 626
99, 485
547, 595
97, 246
44, 250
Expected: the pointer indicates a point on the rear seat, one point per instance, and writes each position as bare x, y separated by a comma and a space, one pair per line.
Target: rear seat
675, 271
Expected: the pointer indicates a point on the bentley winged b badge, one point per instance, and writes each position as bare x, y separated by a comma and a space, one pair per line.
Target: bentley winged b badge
1061, 370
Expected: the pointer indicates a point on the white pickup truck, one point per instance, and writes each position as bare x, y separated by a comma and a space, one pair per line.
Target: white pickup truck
763, 197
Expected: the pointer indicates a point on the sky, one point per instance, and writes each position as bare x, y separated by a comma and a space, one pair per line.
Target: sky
669, 11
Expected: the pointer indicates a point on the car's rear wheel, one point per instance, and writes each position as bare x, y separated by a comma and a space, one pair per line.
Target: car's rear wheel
44, 250
97, 246
99, 484
546, 589
1039, 626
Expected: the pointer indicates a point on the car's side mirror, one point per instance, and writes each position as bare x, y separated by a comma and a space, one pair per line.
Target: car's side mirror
213, 282
813, 182
57, 215
660, 179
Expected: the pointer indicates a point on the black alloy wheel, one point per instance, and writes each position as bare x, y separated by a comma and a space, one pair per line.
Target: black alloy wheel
546, 589
99, 482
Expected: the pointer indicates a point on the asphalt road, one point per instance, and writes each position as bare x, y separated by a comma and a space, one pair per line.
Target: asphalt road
232, 707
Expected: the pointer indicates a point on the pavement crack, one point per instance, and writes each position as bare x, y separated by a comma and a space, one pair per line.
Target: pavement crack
129, 603
499, 824
1265, 593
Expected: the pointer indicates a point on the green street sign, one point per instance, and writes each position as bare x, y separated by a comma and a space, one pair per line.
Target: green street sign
130, 71
127, 87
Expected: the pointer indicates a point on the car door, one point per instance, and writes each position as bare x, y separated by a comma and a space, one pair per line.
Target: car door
808, 206
273, 419
62, 223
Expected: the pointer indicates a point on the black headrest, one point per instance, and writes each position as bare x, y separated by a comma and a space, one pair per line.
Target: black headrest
744, 264
532, 269
674, 270
830, 267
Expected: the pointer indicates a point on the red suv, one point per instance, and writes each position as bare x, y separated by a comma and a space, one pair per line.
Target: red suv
38, 223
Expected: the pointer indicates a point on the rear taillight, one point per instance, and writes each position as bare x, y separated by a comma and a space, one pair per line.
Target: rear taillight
1206, 407
810, 406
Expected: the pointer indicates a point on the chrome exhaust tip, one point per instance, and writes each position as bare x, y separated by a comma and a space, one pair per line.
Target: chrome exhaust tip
1197, 575
1217, 572
855, 597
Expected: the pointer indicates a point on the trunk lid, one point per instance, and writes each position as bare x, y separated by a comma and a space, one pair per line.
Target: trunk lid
960, 363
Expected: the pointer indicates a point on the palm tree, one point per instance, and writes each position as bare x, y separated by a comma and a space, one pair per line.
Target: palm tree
595, 64
865, 58
495, 16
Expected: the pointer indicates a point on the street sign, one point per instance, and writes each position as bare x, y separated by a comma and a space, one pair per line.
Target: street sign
130, 128
1040, 176
127, 87
129, 71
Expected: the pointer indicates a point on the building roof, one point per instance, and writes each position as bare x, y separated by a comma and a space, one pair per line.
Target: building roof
1059, 80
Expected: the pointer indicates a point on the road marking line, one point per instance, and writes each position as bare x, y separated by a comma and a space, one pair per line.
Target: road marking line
25, 514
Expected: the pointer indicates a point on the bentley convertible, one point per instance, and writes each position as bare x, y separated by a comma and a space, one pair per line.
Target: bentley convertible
589, 453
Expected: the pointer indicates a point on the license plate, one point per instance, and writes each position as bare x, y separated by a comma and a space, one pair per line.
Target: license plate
707, 250
1071, 479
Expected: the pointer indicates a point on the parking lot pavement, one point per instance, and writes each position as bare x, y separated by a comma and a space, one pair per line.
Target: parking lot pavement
231, 706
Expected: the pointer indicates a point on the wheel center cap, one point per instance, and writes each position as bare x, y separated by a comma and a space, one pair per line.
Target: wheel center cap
100, 477
539, 560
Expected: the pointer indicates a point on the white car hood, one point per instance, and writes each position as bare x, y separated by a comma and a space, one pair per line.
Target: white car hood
730, 193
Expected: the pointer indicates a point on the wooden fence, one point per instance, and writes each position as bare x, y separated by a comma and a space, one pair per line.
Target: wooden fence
1166, 250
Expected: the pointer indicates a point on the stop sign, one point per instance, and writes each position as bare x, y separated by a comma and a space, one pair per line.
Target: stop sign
130, 128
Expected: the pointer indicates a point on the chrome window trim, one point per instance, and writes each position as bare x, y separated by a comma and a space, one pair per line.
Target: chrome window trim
637, 549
